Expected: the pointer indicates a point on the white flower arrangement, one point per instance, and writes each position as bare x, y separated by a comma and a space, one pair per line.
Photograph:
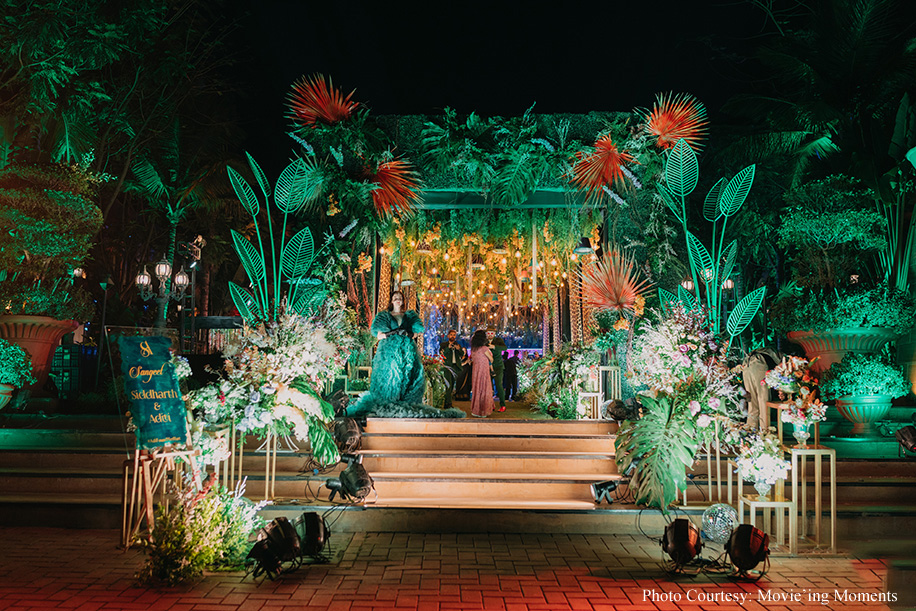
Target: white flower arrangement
760, 458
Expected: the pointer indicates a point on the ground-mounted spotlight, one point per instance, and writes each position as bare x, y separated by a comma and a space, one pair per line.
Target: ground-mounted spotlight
354, 483
907, 438
746, 548
347, 435
313, 535
602, 491
682, 542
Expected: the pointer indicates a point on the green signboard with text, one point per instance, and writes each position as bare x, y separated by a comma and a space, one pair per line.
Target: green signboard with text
152, 389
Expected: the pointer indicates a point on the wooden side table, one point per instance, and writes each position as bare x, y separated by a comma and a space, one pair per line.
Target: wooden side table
799, 492
779, 503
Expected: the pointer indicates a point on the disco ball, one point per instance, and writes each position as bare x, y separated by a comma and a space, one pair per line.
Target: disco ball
719, 521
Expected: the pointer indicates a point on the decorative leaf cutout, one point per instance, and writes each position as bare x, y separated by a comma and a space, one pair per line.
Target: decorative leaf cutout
298, 254
244, 192
244, 303
259, 176
682, 170
911, 156
291, 191
711, 209
745, 311
666, 298
736, 191
686, 298
252, 260
310, 297
731, 256
673, 205
699, 256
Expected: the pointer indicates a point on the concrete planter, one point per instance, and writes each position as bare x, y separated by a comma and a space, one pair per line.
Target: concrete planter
832, 345
39, 336
864, 411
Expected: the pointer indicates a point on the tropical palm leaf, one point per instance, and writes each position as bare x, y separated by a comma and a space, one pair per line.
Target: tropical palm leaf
682, 170
315, 99
246, 304
666, 298
601, 168
730, 258
252, 260
711, 209
149, 180
686, 298
736, 191
612, 283
298, 255
259, 176
700, 260
396, 189
244, 192
677, 117
744, 312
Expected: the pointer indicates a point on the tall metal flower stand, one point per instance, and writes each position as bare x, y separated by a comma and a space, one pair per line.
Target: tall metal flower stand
799, 493
778, 505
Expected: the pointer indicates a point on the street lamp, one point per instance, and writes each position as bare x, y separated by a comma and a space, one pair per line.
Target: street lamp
169, 288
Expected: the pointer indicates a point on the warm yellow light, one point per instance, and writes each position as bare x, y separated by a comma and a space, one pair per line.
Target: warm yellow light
518, 254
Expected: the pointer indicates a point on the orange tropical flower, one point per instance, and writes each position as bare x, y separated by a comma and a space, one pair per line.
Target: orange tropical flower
677, 117
613, 283
602, 168
397, 189
315, 99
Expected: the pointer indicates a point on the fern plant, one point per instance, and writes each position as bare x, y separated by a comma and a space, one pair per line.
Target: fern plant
715, 265
660, 447
291, 263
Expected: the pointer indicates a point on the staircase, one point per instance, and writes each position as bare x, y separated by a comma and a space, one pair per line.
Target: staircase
504, 464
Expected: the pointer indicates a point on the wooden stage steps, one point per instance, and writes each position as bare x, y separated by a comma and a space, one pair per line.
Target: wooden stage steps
430, 475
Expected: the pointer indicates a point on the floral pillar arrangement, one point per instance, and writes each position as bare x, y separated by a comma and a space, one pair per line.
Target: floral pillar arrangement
760, 460
795, 379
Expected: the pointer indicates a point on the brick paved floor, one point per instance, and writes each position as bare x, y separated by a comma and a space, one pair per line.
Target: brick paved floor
82, 570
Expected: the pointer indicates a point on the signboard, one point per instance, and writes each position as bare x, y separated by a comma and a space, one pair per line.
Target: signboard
153, 392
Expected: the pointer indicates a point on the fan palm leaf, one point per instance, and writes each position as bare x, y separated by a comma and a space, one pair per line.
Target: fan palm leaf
396, 189
677, 117
314, 99
602, 168
613, 283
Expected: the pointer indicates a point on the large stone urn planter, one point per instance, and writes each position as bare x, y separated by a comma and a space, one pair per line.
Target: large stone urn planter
39, 336
6, 393
832, 345
864, 411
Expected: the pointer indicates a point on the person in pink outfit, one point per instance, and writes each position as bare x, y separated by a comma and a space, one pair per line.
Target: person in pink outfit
481, 385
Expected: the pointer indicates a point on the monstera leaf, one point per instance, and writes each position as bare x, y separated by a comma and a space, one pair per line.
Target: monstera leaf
298, 254
682, 170
662, 445
516, 179
711, 209
246, 304
744, 312
736, 191
244, 192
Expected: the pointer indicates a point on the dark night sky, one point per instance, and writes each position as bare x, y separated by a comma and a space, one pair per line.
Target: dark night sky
489, 57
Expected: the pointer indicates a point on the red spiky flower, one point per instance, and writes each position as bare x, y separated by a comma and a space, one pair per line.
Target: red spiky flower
315, 99
602, 168
397, 190
677, 117
613, 283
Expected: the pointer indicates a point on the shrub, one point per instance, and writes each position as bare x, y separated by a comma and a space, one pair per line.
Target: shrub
823, 310
15, 365
865, 374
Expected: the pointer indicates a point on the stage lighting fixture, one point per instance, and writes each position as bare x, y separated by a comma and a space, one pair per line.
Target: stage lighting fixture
346, 435
907, 437
602, 491
354, 483
313, 534
747, 547
682, 542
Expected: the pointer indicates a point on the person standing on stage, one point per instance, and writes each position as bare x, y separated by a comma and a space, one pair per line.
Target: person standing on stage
497, 345
453, 358
510, 376
481, 380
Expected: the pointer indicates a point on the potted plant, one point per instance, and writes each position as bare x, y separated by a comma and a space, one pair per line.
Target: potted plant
829, 323
15, 370
863, 386
48, 221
